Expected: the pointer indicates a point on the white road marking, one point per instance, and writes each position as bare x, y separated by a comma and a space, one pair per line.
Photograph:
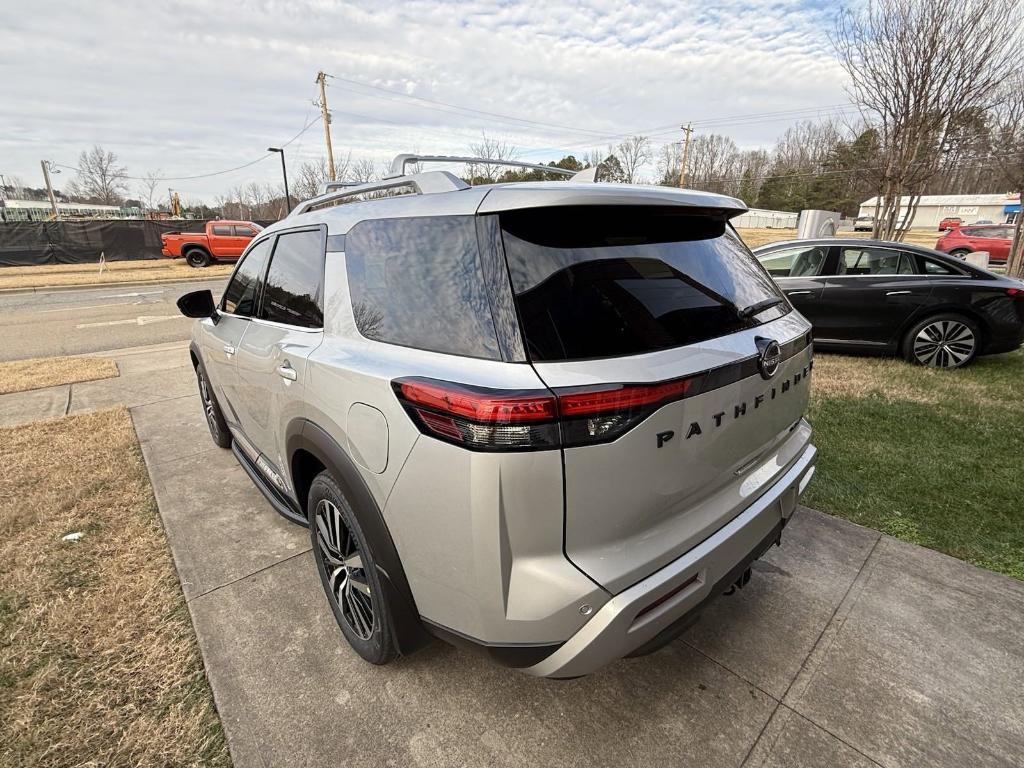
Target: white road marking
90, 306
141, 320
129, 295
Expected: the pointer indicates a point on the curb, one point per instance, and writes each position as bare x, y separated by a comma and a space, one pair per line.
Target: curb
94, 286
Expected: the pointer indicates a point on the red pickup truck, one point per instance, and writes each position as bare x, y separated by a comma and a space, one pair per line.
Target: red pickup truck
222, 241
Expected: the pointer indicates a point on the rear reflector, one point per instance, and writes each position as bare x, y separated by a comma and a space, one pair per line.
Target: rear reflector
502, 420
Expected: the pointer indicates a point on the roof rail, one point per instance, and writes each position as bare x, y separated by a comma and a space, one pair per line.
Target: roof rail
399, 163
424, 184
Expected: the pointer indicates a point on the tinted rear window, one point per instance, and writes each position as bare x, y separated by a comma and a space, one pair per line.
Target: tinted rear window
606, 282
417, 282
293, 289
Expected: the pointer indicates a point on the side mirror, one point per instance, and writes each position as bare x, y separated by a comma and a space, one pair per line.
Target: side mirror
198, 304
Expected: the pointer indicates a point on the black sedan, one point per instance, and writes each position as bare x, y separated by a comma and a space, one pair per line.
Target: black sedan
898, 299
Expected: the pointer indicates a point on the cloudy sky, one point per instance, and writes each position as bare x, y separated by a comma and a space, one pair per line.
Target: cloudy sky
192, 88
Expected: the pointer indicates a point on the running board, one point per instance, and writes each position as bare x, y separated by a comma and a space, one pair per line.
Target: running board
281, 504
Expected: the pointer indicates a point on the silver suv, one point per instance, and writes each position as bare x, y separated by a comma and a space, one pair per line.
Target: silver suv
548, 420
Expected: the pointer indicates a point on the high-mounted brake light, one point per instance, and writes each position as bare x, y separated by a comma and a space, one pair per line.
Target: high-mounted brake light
501, 420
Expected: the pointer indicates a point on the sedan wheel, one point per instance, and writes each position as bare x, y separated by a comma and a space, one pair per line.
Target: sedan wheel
945, 343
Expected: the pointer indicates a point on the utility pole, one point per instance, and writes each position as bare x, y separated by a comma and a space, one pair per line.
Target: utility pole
49, 188
321, 78
687, 129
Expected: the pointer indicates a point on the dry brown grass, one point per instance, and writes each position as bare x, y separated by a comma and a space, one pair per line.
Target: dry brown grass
98, 664
840, 376
51, 275
36, 373
755, 237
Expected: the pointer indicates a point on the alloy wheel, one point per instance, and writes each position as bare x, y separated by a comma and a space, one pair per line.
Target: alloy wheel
343, 563
944, 344
208, 405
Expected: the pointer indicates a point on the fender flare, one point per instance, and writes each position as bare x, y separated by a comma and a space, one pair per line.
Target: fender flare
408, 630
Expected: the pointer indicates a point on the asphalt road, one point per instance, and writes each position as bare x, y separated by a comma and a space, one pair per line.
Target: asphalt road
94, 320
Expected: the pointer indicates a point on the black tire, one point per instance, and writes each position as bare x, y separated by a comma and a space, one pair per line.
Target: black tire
348, 572
197, 257
943, 341
211, 409
960, 252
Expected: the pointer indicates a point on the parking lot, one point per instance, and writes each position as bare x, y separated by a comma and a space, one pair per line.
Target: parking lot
848, 647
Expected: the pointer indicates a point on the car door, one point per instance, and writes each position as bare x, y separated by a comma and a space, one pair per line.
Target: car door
1000, 240
223, 242
221, 337
799, 272
271, 359
872, 294
242, 235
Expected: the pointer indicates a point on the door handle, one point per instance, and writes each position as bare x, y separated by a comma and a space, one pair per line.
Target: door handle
287, 372
229, 350
896, 293
799, 293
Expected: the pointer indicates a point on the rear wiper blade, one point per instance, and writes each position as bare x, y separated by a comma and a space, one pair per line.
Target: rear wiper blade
759, 306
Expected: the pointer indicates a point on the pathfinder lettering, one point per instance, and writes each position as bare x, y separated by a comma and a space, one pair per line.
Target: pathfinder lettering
740, 409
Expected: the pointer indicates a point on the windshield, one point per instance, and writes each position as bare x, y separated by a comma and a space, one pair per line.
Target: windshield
622, 280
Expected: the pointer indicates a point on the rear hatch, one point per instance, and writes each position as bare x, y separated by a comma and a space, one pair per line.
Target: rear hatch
650, 323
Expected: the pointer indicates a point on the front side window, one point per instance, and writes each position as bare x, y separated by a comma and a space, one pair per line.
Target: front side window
418, 282
294, 287
870, 262
610, 281
794, 262
242, 292
244, 232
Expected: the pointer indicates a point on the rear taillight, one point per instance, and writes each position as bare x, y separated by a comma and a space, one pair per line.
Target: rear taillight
1017, 293
507, 420
599, 414
479, 418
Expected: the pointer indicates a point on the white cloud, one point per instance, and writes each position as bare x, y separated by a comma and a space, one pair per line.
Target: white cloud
194, 87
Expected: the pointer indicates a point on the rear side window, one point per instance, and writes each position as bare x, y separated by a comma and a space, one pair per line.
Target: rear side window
417, 282
794, 262
222, 231
937, 268
875, 261
293, 290
613, 281
242, 292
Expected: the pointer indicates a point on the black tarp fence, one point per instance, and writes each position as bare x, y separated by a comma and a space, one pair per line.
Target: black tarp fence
78, 242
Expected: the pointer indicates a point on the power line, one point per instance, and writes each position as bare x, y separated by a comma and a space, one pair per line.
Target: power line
213, 173
451, 106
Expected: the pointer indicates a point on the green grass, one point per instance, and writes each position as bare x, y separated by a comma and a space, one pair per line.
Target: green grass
932, 457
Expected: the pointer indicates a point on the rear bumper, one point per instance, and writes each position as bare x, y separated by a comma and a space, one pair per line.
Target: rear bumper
665, 599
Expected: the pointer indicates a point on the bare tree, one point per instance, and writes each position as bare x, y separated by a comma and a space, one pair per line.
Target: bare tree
912, 72
148, 187
363, 170
633, 153
1008, 149
490, 149
669, 163
100, 178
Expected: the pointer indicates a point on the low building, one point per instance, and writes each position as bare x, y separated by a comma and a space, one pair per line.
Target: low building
932, 209
41, 210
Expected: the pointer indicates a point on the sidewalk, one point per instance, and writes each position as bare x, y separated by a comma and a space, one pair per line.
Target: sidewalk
847, 648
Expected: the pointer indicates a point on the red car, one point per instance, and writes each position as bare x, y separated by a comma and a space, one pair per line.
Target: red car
994, 238
222, 240
950, 222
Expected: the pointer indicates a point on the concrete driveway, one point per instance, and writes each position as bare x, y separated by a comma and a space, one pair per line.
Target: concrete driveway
848, 648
